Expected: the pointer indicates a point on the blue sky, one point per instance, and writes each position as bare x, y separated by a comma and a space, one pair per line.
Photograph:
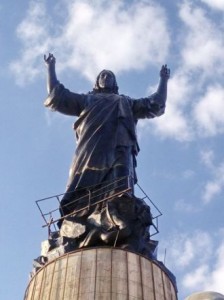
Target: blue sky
181, 163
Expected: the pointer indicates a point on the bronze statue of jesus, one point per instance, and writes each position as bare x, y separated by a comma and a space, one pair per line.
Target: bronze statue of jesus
107, 144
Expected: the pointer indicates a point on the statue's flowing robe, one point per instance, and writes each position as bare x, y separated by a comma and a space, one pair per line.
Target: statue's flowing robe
105, 131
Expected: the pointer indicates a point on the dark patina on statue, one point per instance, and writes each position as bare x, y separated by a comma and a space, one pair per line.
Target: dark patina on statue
105, 155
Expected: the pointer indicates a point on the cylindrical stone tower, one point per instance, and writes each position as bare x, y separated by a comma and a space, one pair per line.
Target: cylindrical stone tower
101, 274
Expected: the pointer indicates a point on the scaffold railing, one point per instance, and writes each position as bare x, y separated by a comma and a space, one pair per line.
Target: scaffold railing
50, 207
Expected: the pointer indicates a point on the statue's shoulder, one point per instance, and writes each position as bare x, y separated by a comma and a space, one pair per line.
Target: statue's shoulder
126, 98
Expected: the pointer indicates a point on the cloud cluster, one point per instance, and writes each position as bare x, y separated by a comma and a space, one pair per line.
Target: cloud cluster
201, 259
119, 37
208, 276
190, 248
203, 41
216, 4
208, 112
215, 186
110, 35
33, 34
174, 123
195, 94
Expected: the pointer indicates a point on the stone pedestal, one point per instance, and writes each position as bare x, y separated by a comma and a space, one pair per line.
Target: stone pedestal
101, 274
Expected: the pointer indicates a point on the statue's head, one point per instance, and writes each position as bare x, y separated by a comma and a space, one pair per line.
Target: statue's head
106, 82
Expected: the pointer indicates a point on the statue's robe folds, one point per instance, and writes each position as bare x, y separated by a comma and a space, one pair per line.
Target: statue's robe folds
105, 131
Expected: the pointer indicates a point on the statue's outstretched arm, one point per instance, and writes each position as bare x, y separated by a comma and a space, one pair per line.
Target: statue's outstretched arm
154, 105
162, 88
51, 73
59, 98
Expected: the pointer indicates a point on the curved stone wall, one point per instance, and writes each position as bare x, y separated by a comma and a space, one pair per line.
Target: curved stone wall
101, 273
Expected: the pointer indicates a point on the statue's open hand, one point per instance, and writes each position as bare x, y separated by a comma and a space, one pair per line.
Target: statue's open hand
165, 72
49, 60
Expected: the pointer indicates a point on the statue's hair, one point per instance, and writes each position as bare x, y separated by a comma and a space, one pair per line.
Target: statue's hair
97, 88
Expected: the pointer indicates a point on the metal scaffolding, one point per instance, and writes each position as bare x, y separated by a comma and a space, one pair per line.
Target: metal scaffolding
49, 207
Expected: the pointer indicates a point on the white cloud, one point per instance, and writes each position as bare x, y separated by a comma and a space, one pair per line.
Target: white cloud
188, 248
204, 40
191, 111
201, 56
184, 206
214, 186
104, 35
208, 112
207, 157
175, 123
32, 32
197, 277
208, 276
199, 256
217, 275
217, 4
